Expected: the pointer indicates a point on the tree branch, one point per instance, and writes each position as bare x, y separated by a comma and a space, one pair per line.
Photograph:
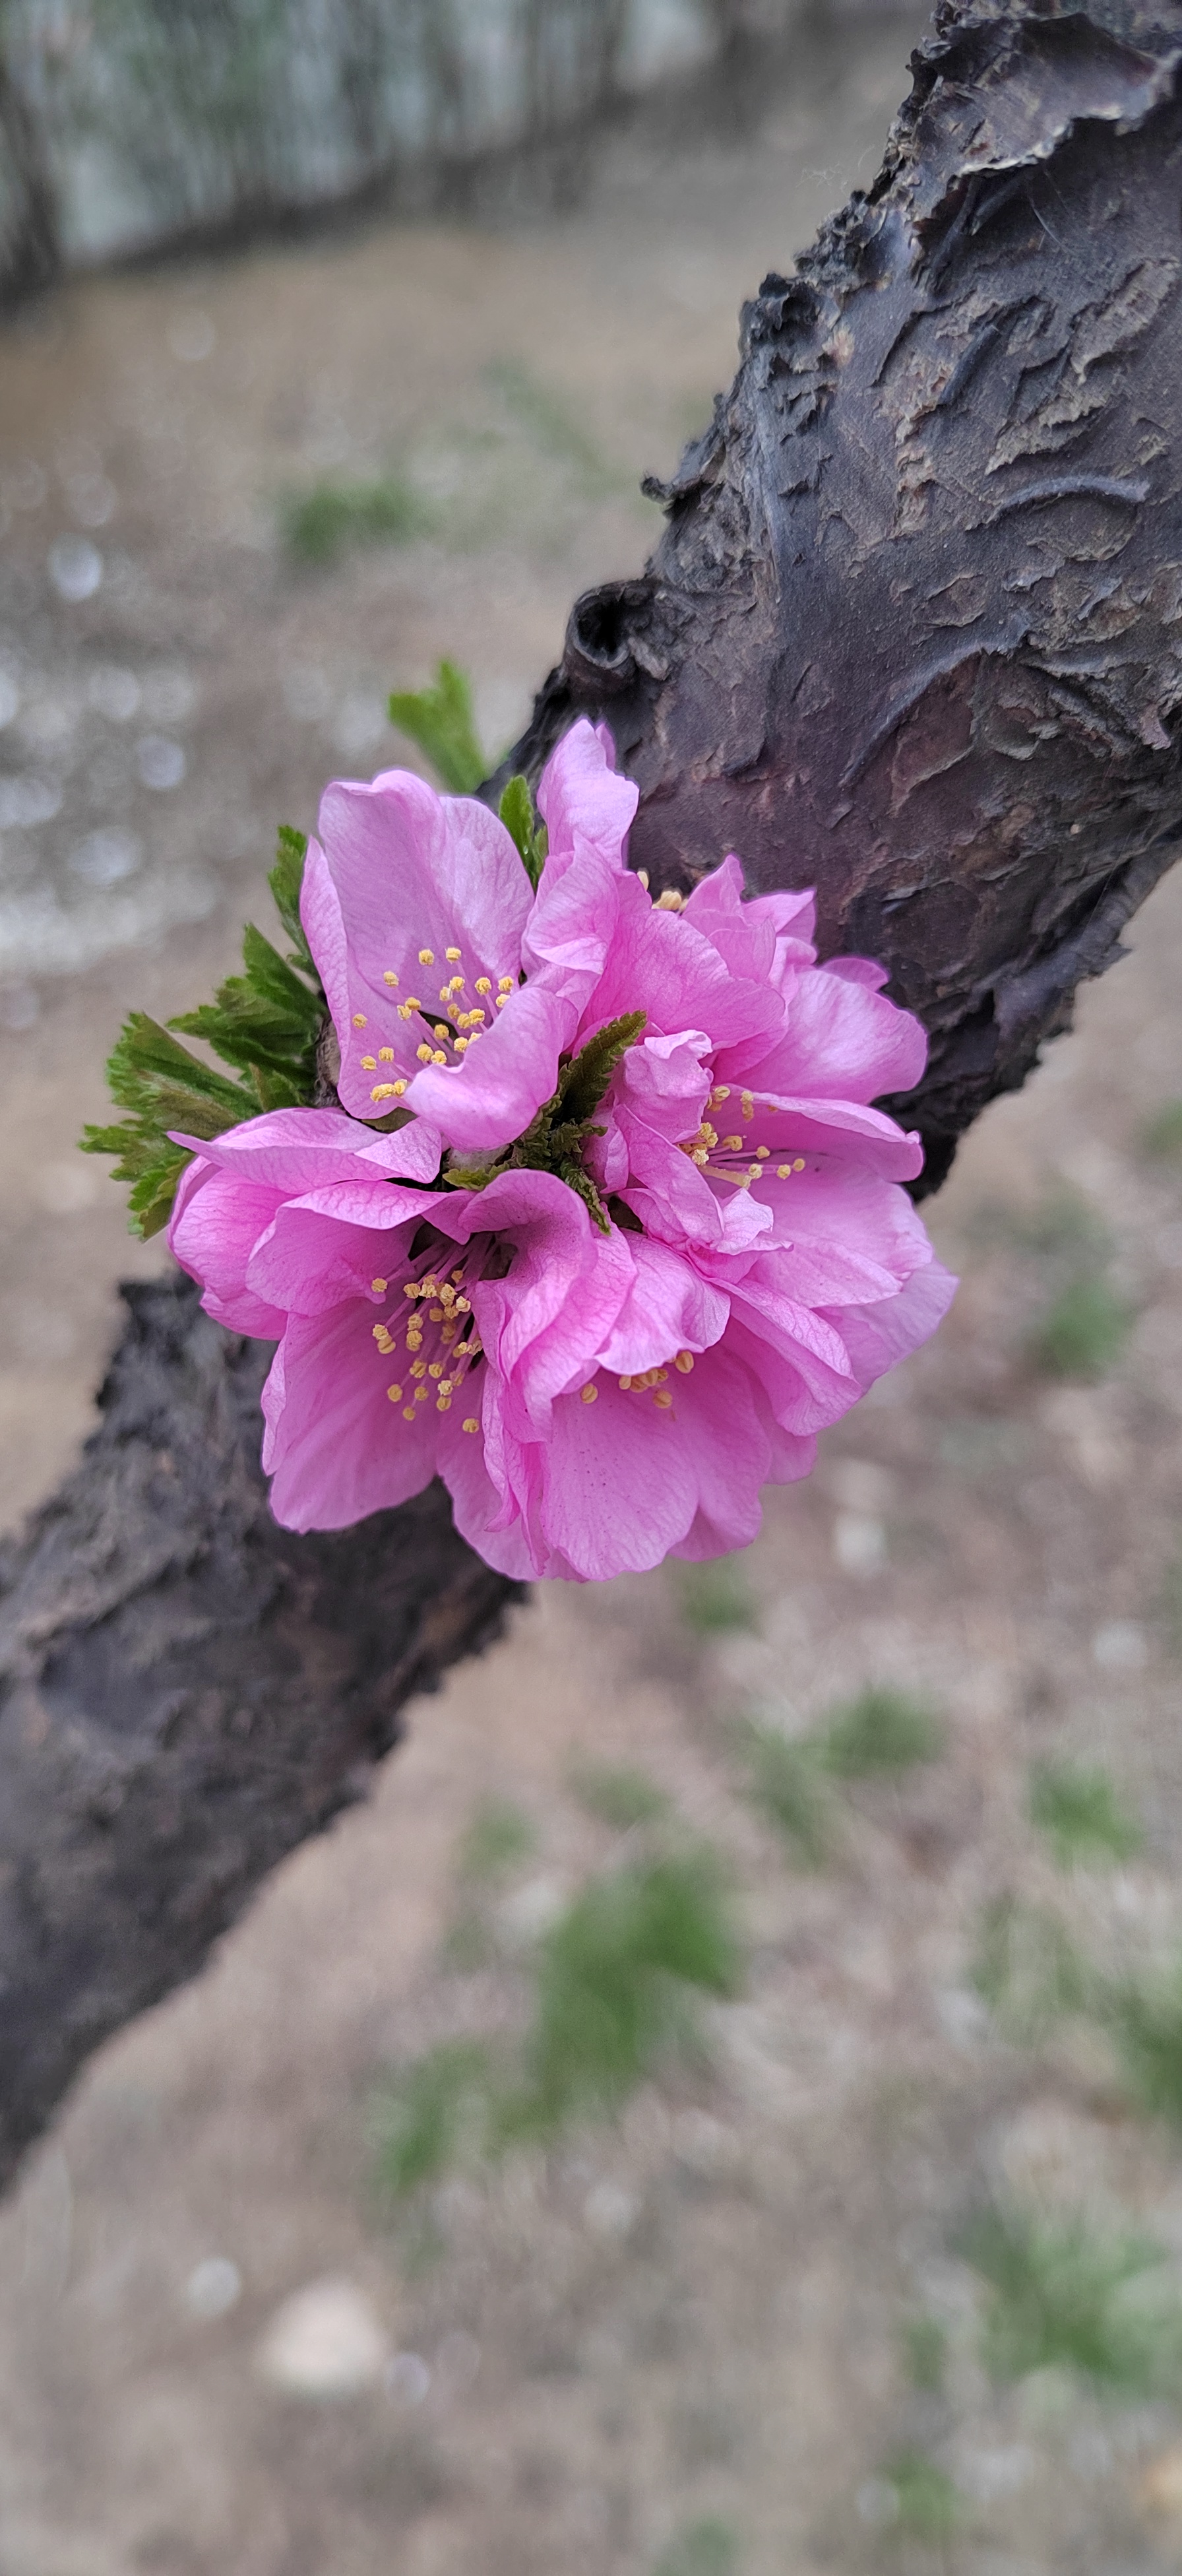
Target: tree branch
912, 635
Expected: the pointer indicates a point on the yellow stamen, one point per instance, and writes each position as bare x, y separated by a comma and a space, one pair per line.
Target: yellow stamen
418, 1368
439, 1056
670, 901
421, 1394
389, 977
457, 982
762, 1152
798, 1165
502, 998
386, 1090
442, 1031
408, 1413
504, 983
453, 955
662, 1399
625, 1385
471, 1424
462, 1045
732, 1144
359, 1020
588, 1394
379, 1286
436, 1369
426, 956
395, 1394
748, 1105
722, 1092
398, 1088
684, 1361
369, 1064
482, 984
424, 1053
783, 1171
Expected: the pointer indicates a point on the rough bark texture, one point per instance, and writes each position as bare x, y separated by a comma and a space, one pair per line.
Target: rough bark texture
186, 1690
912, 634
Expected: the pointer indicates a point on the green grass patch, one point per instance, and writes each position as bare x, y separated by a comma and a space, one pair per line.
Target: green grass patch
1028, 1970
1076, 1806
436, 2115
1083, 1333
786, 1781
498, 1839
1161, 1134
1143, 2017
617, 1795
1065, 2294
325, 522
929, 2508
880, 1731
925, 2350
707, 2547
716, 1596
615, 1982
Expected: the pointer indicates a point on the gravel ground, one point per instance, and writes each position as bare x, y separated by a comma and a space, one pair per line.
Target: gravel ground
744, 2326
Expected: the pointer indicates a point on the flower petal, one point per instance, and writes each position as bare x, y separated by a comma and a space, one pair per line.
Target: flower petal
337, 1448
489, 1098
583, 802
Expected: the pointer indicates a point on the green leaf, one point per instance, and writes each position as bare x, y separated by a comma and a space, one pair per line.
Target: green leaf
516, 810
440, 720
286, 882
583, 1082
145, 1056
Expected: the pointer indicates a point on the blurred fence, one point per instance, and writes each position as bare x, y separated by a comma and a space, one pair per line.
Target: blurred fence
125, 124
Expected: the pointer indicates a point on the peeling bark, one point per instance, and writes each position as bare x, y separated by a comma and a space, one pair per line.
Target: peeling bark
914, 631
912, 634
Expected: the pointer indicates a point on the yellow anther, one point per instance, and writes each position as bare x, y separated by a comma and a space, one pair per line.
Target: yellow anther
369, 1064
457, 982
462, 1306
426, 956
748, 1105
421, 1393
453, 955
670, 901
379, 1286
722, 1092
447, 1292
462, 1045
389, 976
444, 1404
445, 992
359, 1020
447, 1386
419, 1368
442, 1031
476, 1018
439, 1056
378, 1331
385, 1055
502, 998
395, 1394
406, 1010
410, 1289
385, 1090
462, 1348
708, 1134
684, 1361
408, 1413
398, 1088
436, 1314
798, 1163
762, 1152
625, 1385
698, 1154
424, 1053
504, 984
587, 1394
732, 1144
482, 986
753, 1170
642, 878
662, 1399
783, 1171
436, 1369
471, 1424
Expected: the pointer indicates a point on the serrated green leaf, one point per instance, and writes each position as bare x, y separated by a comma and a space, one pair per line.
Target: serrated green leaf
440, 720
583, 1082
286, 883
150, 1202
145, 1055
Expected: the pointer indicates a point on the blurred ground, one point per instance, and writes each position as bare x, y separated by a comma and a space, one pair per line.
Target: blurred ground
738, 2329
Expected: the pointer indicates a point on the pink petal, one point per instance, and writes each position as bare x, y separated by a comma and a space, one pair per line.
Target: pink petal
583, 802
338, 1449
332, 1244
670, 1307
489, 1098
841, 1041
215, 1225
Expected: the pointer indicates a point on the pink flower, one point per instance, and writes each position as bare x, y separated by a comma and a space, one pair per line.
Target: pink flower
640, 1235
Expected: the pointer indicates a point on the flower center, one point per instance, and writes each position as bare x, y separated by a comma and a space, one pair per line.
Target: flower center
734, 1157
430, 1333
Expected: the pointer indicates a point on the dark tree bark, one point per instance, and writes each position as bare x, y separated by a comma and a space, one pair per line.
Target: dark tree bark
912, 634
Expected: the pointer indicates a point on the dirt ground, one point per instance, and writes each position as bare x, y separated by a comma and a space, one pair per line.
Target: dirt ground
691, 2339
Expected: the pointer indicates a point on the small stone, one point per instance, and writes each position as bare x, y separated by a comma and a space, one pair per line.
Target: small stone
213, 2287
325, 2342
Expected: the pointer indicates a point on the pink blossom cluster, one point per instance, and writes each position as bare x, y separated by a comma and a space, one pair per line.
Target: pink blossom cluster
605, 1337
